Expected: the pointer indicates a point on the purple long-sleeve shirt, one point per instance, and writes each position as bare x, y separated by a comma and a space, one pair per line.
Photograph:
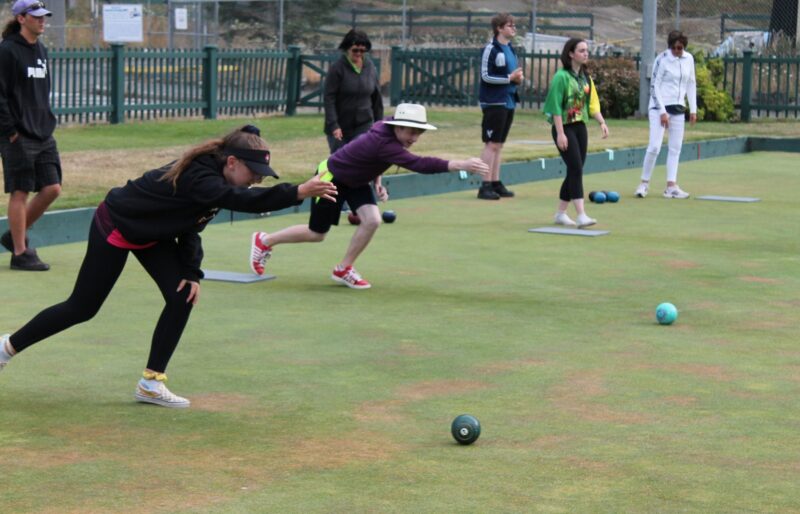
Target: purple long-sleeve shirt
364, 159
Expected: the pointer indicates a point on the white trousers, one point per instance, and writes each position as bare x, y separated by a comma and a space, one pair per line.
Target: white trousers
676, 125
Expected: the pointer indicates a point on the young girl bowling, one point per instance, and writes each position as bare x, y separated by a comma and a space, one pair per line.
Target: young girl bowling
158, 218
352, 168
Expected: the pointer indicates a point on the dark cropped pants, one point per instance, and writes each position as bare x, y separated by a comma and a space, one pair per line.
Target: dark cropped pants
574, 157
100, 270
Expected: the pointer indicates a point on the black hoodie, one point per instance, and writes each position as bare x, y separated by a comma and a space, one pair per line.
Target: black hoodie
149, 209
25, 90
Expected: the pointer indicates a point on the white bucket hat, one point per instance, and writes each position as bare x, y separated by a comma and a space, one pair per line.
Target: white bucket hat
411, 115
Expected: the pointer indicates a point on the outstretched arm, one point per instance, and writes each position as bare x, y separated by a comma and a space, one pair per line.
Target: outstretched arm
316, 187
472, 165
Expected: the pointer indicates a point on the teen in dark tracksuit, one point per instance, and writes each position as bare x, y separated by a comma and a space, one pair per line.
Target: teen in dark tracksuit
30, 158
498, 97
353, 99
158, 217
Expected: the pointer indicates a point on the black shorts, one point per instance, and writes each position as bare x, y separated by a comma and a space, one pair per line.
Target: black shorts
496, 124
29, 164
325, 213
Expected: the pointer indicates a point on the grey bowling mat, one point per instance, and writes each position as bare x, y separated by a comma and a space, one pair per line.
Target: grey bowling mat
232, 276
569, 231
743, 199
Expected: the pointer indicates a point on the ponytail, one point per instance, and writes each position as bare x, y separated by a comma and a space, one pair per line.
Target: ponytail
12, 27
248, 137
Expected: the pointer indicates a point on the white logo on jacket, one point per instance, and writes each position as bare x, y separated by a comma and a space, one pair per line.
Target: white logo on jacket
39, 71
500, 60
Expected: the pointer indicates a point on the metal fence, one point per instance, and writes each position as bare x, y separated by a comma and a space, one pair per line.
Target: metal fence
133, 83
313, 70
760, 86
118, 84
463, 24
763, 86
451, 77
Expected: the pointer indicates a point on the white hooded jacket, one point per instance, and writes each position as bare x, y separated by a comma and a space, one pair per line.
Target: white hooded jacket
673, 80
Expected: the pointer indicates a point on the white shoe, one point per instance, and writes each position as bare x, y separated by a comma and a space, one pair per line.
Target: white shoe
5, 356
675, 192
641, 191
156, 392
561, 218
585, 221
259, 253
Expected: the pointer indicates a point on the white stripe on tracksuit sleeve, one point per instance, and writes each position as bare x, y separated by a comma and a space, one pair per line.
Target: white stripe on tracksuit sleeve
491, 79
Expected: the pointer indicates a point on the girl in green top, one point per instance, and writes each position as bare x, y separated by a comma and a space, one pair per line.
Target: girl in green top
571, 100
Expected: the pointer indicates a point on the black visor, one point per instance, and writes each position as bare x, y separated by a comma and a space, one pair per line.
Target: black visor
256, 161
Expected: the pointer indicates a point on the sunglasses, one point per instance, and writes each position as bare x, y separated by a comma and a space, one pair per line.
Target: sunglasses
358, 50
33, 7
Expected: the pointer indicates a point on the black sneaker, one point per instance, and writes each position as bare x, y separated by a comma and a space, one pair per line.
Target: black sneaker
8, 242
486, 192
28, 261
501, 190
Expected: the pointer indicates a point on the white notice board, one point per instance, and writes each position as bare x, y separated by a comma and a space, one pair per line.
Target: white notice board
122, 23
181, 18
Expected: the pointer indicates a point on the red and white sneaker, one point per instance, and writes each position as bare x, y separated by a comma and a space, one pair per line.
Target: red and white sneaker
349, 277
259, 253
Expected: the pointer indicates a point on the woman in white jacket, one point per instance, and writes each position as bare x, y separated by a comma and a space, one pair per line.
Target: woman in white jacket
672, 84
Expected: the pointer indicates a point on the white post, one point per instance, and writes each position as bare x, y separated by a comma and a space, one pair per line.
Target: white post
405, 13
648, 53
797, 30
280, 26
534, 7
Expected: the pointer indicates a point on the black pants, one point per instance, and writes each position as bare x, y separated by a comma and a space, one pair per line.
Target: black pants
574, 157
99, 272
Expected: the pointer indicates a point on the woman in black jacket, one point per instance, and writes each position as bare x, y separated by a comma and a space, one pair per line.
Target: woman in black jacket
158, 217
353, 99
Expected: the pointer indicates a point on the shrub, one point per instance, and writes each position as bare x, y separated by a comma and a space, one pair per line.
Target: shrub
713, 102
617, 83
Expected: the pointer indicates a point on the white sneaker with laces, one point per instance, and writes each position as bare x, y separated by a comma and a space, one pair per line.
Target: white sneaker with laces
5, 355
561, 218
675, 192
585, 221
156, 392
259, 253
641, 191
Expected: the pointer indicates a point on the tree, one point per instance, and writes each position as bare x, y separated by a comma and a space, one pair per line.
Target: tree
259, 22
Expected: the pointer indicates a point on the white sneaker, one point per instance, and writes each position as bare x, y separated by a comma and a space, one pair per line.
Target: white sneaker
561, 218
5, 356
675, 192
585, 221
259, 253
641, 191
156, 392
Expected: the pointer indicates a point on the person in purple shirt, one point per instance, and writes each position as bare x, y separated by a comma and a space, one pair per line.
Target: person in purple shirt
352, 169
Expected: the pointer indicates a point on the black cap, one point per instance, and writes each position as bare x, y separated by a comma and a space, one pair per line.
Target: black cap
256, 160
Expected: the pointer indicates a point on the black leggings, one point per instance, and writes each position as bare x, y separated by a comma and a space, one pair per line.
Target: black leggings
574, 157
99, 272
